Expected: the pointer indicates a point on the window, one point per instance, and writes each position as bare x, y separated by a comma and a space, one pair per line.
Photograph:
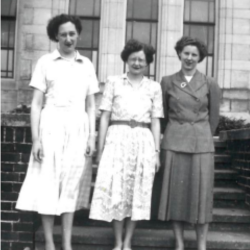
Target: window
199, 22
8, 27
142, 21
89, 13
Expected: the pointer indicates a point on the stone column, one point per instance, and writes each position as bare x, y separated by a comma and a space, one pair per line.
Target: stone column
234, 57
112, 37
170, 29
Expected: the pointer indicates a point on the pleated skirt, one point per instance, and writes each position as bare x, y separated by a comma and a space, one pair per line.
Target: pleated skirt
187, 187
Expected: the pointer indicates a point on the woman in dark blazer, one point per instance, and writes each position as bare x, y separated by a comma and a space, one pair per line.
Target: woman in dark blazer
191, 107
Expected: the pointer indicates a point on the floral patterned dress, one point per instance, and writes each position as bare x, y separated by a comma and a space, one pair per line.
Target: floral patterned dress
127, 167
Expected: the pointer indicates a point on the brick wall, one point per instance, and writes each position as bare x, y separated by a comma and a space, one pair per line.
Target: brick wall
17, 228
238, 146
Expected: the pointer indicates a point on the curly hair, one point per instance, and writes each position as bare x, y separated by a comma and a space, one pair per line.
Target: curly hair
55, 22
187, 40
134, 46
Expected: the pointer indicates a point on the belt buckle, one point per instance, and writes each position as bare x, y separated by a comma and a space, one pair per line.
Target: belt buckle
133, 123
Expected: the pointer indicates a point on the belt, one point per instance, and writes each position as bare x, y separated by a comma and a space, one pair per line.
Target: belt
131, 123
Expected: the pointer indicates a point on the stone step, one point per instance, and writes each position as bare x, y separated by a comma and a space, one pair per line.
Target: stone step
228, 193
222, 220
222, 158
100, 238
226, 178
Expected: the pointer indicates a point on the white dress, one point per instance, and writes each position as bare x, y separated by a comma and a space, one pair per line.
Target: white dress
61, 183
127, 168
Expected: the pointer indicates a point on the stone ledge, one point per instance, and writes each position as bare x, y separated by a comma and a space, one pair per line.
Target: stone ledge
15, 120
236, 134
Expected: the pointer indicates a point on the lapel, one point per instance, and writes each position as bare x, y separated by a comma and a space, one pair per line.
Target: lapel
193, 86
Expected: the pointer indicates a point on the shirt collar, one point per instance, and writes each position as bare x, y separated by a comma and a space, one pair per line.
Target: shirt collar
56, 55
125, 76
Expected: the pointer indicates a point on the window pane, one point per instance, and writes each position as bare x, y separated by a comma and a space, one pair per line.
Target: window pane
87, 53
153, 35
210, 45
10, 63
186, 30
4, 33
187, 11
85, 8
210, 66
86, 34
211, 12
155, 9
8, 7
130, 9
202, 66
4, 56
199, 32
96, 34
141, 32
199, 11
142, 9
97, 8
129, 30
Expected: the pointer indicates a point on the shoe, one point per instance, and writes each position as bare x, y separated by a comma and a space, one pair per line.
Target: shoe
117, 248
126, 248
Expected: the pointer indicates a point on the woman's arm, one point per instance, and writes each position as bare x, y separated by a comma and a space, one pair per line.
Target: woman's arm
36, 107
90, 108
214, 105
155, 128
103, 128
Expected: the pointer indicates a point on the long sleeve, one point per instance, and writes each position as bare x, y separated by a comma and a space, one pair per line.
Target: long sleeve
165, 104
214, 104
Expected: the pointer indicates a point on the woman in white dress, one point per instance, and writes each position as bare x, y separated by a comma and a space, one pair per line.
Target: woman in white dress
63, 131
128, 149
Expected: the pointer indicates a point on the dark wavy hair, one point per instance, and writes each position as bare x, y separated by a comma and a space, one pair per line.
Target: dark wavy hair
55, 22
187, 40
134, 46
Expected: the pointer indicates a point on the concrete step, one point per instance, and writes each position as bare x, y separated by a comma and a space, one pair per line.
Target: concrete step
222, 193
222, 220
226, 178
222, 158
102, 239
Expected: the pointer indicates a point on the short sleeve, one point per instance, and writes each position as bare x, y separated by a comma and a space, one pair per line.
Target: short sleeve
93, 83
107, 98
38, 77
157, 108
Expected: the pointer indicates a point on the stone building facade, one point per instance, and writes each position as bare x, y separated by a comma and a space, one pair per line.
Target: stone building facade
227, 30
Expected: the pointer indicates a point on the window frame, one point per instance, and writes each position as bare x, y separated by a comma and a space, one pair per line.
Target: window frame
9, 82
204, 24
91, 18
144, 20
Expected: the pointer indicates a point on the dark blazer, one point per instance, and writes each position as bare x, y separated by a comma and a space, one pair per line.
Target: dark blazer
191, 112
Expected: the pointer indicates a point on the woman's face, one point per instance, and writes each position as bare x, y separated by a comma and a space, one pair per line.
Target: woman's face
137, 63
67, 37
189, 57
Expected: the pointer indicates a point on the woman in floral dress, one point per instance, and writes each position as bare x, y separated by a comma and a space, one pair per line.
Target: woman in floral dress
128, 146
62, 132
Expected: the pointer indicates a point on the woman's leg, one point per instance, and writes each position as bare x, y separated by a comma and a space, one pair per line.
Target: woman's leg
178, 227
67, 224
129, 231
118, 231
48, 224
201, 233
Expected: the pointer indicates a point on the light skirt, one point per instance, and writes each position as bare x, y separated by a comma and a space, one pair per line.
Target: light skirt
125, 176
187, 187
61, 183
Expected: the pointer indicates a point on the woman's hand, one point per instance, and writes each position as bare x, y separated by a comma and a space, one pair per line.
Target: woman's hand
157, 161
90, 146
37, 151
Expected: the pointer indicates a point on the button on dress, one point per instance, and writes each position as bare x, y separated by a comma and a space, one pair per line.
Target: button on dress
61, 182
